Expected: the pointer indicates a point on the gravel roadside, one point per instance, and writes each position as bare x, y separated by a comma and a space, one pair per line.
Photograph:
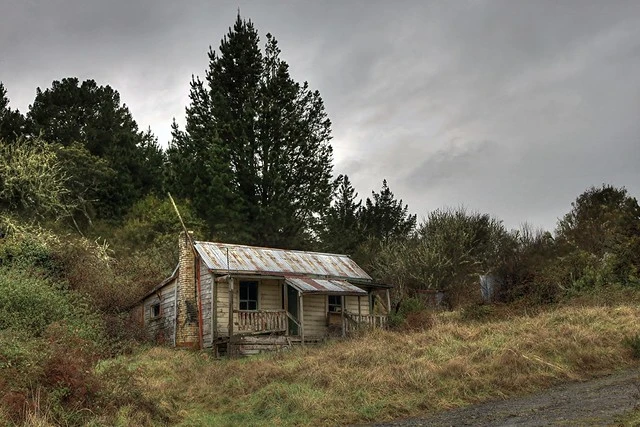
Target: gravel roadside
595, 402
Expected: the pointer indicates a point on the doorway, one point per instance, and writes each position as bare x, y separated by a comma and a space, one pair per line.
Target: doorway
292, 308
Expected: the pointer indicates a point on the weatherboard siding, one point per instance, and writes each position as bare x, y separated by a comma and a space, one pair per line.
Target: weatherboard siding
161, 329
269, 295
315, 315
269, 298
206, 292
351, 304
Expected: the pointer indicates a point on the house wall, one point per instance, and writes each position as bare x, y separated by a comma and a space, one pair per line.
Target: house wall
161, 329
315, 315
269, 298
222, 303
315, 312
270, 295
351, 304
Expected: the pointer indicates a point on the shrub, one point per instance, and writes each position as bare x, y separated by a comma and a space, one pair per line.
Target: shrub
29, 303
476, 312
32, 179
112, 285
27, 246
405, 307
633, 343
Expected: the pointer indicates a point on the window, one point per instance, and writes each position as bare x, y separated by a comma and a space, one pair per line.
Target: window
335, 303
155, 310
248, 295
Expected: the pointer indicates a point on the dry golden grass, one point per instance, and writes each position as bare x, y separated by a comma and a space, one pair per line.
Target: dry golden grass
392, 374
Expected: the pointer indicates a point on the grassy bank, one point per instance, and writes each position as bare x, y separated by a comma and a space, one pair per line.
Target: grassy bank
463, 358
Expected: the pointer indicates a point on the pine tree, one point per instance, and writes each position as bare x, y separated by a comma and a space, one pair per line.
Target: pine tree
12, 122
255, 157
385, 218
342, 231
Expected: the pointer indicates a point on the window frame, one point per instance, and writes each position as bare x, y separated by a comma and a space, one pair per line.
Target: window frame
155, 310
247, 301
333, 307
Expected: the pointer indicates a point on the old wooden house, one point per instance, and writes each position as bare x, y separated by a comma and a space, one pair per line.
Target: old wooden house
245, 299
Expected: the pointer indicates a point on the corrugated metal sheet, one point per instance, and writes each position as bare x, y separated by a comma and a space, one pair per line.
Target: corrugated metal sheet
307, 285
251, 259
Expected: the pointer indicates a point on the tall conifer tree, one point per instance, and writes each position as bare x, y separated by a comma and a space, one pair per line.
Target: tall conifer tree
254, 157
385, 218
12, 122
342, 232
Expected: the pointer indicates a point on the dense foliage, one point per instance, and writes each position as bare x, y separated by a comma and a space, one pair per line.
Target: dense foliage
83, 112
32, 179
12, 122
255, 157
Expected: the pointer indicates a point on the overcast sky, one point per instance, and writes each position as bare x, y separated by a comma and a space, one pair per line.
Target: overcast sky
507, 107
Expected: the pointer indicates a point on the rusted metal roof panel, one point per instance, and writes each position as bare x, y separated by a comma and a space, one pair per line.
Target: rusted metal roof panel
307, 285
252, 259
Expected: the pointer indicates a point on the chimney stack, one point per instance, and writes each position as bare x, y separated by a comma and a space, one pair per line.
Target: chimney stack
187, 316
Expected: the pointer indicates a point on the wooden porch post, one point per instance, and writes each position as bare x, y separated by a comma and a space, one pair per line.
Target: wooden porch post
388, 302
359, 313
285, 302
230, 282
344, 330
301, 304
214, 310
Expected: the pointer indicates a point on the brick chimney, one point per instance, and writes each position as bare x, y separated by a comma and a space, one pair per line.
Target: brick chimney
187, 304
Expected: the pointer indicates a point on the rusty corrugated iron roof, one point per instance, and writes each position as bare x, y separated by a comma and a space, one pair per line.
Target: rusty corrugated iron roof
307, 285
281, 262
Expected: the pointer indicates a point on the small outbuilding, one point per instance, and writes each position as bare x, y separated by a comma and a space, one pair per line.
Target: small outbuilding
244, 299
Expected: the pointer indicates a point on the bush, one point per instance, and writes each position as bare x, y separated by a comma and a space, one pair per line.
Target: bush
29, 304
476, 312
50, 343
405, 308
633, 343
32, 179
112, 285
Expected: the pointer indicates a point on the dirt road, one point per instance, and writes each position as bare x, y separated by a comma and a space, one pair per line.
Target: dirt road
591, 403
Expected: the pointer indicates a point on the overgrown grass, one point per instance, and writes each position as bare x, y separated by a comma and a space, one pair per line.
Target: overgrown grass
392, 374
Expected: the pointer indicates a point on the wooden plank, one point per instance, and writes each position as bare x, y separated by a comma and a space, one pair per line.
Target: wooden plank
270, 295
301, 316
344, 326
175, 315
285, 303
230, 326
315, 315
214, 311
388, 302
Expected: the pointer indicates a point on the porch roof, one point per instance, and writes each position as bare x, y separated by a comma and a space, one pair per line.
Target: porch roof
307, 285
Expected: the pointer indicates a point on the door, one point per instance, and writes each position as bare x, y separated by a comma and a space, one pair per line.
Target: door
292, 308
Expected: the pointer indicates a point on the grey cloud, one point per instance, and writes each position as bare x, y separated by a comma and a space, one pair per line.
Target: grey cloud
457, 162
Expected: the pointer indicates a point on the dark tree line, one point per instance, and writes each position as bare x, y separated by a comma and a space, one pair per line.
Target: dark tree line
110, 163
254, 160
255, 156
